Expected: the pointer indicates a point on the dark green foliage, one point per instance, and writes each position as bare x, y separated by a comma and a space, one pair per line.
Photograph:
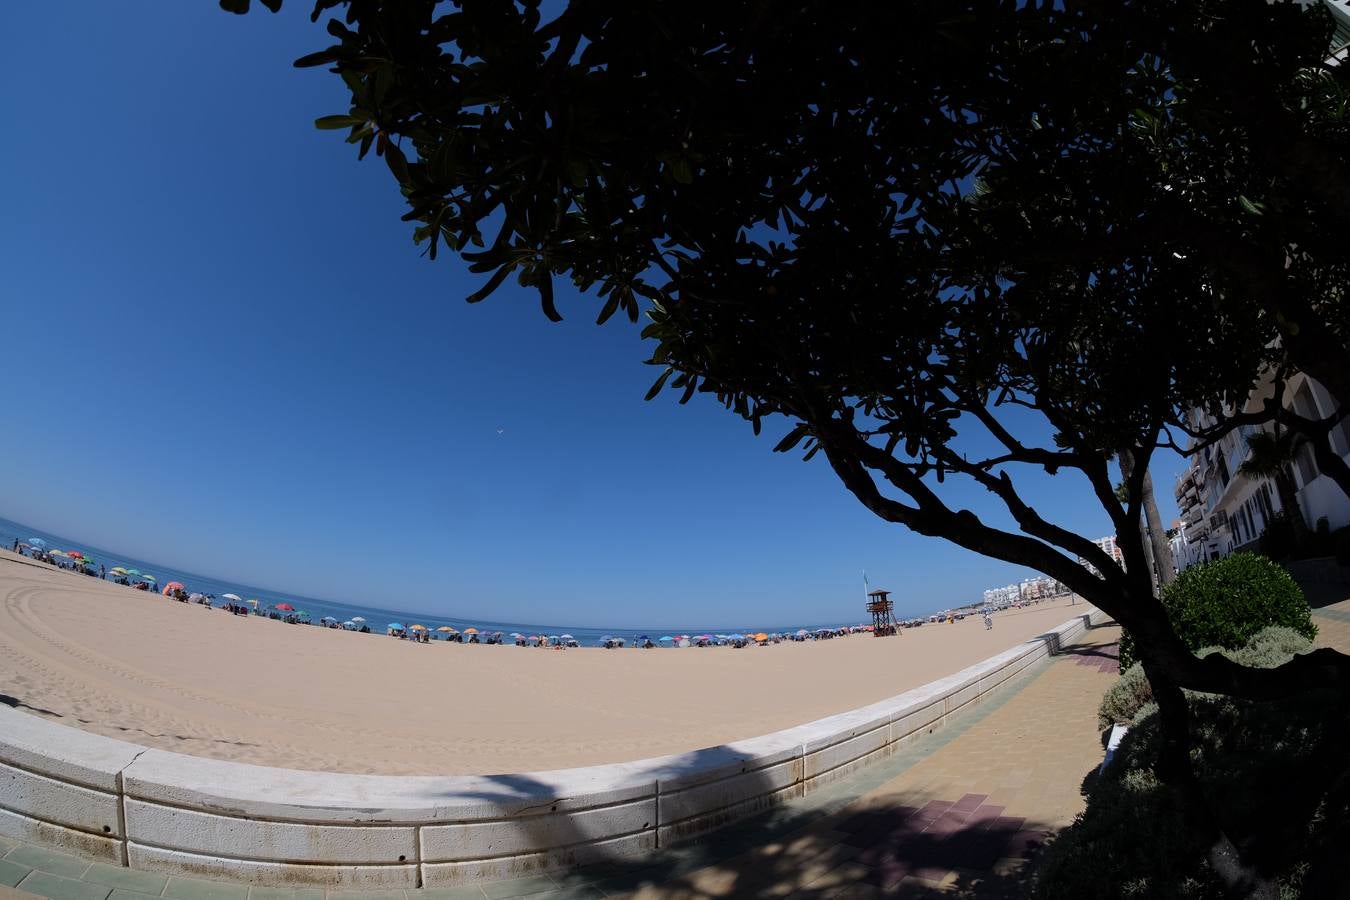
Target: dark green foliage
1123, 700
1225, 602
1270, 770
1268, 648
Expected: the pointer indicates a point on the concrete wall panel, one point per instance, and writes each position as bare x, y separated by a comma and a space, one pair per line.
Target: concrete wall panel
173, 828
59, 802
273, 874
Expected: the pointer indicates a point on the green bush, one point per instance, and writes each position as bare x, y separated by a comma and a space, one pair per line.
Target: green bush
1268, 648
1123, 700
1269, 770
1223, 603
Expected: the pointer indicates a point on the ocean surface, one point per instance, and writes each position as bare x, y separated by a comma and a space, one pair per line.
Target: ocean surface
377, 617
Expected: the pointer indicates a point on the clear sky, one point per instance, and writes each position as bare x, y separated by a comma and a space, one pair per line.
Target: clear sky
222, 351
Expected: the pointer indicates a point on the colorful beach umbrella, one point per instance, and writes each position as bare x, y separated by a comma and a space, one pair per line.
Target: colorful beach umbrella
416, 627
171, 587
665, 639
151, 579
132, 571
118, 570
285, 607
75, 553
447, 630
761, 636
395, 626
470, 630
56, 553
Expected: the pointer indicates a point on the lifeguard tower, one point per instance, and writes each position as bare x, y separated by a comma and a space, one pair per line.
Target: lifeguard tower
883, 613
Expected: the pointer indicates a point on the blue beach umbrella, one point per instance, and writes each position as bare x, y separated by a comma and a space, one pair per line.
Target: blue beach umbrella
643, 637
36, 542
396, 626
135, 572
736, 637
150, 579
666, 639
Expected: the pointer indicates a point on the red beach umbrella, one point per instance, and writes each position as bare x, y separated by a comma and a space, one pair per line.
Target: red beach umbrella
285, 607
75, 553
172, 586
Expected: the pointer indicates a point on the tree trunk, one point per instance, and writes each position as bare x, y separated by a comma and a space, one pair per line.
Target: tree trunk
1162, 550
1147, 536
1174, 769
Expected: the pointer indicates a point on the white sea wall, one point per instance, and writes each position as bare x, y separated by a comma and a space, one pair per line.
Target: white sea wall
166, 812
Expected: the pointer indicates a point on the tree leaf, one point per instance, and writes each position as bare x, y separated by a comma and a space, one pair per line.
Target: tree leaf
333, 123
660, 383
492, 284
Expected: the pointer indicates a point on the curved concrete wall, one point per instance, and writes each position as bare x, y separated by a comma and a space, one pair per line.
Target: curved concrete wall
161, 811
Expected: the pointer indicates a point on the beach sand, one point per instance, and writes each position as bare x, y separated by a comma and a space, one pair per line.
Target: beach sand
182, 677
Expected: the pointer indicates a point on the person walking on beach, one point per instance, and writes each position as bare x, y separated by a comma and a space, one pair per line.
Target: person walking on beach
988, 621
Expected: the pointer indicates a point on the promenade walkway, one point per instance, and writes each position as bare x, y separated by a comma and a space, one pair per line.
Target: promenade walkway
959, 810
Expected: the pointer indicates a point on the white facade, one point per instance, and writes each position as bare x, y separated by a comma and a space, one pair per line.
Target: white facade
1223, 511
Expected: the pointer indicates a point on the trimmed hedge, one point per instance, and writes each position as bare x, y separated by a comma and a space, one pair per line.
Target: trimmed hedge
1271, 772
1267, 649
1225, 602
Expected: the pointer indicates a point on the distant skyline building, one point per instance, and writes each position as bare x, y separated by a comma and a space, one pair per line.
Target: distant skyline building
1110, 548
1038, 587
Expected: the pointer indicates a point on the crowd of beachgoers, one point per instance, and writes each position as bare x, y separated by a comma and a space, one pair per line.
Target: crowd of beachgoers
76, 561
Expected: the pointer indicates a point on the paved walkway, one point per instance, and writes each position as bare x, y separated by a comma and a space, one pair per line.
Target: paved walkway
959, 810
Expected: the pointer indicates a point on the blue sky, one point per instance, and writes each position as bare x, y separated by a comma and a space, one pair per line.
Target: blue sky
223, 352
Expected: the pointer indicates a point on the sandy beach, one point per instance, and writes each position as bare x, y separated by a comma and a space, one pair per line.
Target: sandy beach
137, 666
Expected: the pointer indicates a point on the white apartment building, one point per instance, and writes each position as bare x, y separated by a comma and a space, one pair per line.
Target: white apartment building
1223, 511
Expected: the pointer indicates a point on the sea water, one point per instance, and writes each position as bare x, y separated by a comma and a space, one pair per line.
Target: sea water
377, 617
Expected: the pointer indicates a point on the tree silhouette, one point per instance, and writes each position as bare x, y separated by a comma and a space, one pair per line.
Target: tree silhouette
902, 231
